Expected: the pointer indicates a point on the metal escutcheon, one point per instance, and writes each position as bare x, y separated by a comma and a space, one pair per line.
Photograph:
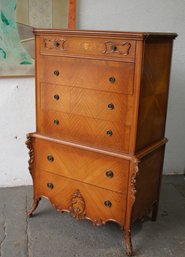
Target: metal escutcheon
110, 106
56, 44
109, 133
108, 204
112, 80
50, 158
56, 72
109, 174
56, 122
114, 48
50, 185
56, 97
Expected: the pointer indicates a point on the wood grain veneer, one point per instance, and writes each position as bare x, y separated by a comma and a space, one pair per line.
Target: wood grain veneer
101, 104
92, 203
85, 102
85, 166
98, 73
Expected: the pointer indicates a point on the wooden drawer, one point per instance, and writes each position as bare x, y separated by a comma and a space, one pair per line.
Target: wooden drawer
95, 74
88, 131
90, 103
90, 167
82, 200
88, 47
55, 98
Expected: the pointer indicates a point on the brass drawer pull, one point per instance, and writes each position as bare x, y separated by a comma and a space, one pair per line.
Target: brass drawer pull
56, 44
56, 97
112, 80
114, 48
50, 185
109, 174
108, 204
110, 106
56, 122
56, 72
109, 133
50, 158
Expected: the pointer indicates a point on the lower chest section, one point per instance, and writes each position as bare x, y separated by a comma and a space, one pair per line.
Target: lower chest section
87, 184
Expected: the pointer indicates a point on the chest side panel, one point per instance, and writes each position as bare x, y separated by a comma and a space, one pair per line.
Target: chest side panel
148, 182
154, 92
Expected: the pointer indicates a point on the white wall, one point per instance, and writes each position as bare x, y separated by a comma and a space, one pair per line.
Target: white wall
150, 15
17, 104
17, 100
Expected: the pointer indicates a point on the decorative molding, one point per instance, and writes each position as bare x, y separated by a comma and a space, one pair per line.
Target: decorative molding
31, 153
97, 223
101, 222
135, 172
122, 48
131, 200
77, 205
54, 43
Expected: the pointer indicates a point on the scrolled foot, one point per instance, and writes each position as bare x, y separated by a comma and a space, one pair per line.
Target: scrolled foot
128, 243
29, 213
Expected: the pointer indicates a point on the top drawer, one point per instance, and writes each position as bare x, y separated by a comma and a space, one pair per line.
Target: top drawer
101, 75
89, 47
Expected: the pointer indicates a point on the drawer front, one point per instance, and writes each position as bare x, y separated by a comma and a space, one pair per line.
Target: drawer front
93, 168
88, 131
54, 97
101, 75
82, 200
85, 102
88, 47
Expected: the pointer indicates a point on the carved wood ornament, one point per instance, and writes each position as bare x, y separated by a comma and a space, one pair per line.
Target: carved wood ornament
54, 43
133, 180
31, 153
77, 205
122, 48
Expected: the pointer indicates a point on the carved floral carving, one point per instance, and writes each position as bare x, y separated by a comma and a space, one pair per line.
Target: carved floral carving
31, 153
122, 48
133, 179
54, 43
77, 205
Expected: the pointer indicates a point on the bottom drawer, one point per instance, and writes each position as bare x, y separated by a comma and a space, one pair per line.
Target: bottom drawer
82, 165
80, 199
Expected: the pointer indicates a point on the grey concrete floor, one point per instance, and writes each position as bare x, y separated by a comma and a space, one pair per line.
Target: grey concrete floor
50, 234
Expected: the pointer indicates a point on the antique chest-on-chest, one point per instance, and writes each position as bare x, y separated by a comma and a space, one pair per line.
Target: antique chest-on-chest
101, 103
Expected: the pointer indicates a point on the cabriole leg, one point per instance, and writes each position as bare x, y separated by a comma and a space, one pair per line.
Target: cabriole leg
36, 201
128, 243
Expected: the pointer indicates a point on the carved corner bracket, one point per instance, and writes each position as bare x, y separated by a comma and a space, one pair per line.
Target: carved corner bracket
31, 153
122, 48
134, 175
77, 205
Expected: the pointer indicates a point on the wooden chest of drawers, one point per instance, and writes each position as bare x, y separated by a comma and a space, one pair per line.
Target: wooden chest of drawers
101, 102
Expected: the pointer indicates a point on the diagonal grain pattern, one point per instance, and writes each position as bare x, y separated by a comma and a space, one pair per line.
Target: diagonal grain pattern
82, 165
92, 74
